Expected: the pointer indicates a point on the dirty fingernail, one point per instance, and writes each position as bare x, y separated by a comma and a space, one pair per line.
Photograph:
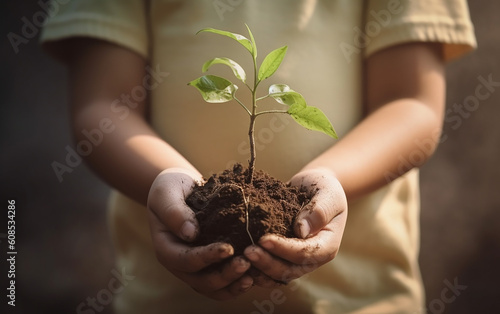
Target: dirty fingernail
226, 252
253, 256
246, 283
242, 267
188, 231
304, 227
268, 245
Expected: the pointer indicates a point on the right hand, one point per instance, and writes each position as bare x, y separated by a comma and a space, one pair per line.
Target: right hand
173, 225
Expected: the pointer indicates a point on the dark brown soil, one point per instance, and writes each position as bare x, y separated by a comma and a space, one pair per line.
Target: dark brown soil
222, 211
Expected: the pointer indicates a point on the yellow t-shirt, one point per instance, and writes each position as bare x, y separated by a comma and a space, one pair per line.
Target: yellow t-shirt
376, 270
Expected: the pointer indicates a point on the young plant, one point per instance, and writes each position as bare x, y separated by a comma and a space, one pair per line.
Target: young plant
215, 89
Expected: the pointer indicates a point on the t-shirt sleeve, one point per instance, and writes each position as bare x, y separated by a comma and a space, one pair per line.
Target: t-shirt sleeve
392, 22
120, 22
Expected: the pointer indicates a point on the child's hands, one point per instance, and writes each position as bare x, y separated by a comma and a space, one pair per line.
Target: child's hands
319, 226
173, 224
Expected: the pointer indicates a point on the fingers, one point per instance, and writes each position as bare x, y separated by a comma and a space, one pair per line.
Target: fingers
198, 266
281, 259
320, 224
176, 255
325, 205
222, 284
327, 202
167, 201
273, 271
207, 269
319, 249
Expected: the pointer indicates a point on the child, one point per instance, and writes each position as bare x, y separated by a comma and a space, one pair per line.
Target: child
376, 68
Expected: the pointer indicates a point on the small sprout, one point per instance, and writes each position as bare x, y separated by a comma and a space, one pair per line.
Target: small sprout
215, 89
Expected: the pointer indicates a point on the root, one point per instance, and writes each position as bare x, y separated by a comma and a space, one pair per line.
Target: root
246, 200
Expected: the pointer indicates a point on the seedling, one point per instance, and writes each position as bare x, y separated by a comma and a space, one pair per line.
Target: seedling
215, 89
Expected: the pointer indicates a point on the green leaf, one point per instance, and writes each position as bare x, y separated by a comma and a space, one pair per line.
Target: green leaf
312, 118
252, 40
239, 38
237, 69
214, 89
286, 96
271, 63
279, 88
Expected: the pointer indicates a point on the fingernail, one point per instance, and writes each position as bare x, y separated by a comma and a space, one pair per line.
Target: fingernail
246, 283
226, 252
304, 228
188, 231
253, 256
268, 245
242, 267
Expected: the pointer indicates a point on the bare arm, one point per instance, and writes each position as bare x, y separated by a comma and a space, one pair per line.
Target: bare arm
133, 159
131, 155
405, 97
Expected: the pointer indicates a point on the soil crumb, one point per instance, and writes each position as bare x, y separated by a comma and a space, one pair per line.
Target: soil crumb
224, 202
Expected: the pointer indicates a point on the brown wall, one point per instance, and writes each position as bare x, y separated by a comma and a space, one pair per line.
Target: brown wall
461, 183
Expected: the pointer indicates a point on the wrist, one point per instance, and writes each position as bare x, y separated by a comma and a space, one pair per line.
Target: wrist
320, 169
192, 172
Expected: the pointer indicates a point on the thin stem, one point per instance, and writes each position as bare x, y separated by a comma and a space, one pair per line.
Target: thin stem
242, 105
249, 88
251, 164
253, 115
270, 111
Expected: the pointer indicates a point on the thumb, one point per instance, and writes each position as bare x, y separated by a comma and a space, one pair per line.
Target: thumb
328, 202
167, 201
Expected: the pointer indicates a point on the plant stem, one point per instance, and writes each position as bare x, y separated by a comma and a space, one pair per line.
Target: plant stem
253, 115
251, 164
263, 97
242, 105
271, 111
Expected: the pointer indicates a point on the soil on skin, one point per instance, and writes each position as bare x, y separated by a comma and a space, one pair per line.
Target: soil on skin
222, 211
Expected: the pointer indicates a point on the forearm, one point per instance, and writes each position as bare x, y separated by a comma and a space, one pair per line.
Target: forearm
404, 96
395, 138
131, 154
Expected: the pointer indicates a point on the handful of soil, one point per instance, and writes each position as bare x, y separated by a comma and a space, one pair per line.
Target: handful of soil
230, 210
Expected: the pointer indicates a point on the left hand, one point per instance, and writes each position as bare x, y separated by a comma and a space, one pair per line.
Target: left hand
319, 228
174, 227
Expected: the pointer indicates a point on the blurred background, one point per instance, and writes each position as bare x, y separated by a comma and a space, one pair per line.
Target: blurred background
64, 251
